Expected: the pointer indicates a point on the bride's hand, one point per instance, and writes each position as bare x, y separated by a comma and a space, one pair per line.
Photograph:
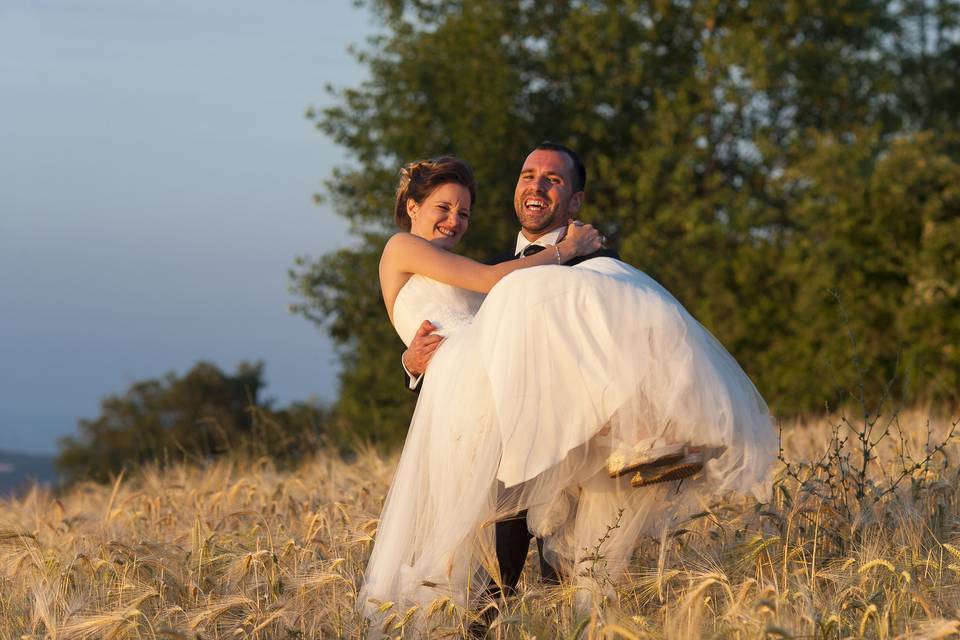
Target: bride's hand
582, 239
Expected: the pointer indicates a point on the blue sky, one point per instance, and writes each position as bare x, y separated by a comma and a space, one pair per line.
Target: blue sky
156, 182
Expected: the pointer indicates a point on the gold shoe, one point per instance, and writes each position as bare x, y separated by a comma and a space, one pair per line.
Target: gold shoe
665, 473
620, 464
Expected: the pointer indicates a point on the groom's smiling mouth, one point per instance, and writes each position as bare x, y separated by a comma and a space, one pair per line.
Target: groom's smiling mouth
535, 204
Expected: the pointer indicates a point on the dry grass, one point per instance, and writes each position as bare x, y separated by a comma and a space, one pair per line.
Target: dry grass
244, 551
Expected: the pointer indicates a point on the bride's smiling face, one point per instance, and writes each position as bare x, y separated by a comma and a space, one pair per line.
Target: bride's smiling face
443, 216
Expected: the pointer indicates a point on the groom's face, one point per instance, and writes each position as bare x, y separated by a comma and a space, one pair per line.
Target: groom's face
545, 198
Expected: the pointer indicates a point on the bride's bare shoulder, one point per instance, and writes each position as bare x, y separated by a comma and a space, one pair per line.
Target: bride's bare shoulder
402, 244
398, 247
394, 265
403, 239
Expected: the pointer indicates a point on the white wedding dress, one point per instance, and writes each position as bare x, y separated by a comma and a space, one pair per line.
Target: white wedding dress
532, 390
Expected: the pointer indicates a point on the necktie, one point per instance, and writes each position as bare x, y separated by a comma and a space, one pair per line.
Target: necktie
531, 249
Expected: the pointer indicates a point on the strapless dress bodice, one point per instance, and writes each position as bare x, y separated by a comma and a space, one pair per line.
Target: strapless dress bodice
449, 308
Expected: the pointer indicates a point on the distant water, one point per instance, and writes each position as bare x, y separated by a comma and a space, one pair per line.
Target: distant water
18, 470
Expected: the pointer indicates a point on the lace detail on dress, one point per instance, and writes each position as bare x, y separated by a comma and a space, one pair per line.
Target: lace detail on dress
454, 320
449, 308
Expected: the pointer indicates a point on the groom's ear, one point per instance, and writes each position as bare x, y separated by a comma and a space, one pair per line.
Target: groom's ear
576, 201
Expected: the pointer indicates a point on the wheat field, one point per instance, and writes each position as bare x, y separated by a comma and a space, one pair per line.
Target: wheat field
243, 550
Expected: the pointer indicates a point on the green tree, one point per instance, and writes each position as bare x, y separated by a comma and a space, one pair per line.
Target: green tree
204, 413
735, 153
921, 183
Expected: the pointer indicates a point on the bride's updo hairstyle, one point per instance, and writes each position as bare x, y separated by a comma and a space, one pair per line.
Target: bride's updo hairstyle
419, 179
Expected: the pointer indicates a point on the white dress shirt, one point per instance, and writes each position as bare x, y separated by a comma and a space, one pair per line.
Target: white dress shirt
411, 381
551, 237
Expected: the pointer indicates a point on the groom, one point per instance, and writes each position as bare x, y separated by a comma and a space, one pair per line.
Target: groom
548, 195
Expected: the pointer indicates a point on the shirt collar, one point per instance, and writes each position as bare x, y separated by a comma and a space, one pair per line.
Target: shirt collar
546, 239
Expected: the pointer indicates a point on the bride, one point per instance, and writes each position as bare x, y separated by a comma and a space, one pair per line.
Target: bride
591, 364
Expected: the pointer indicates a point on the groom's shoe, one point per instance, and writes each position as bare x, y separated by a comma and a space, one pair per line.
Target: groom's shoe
477, 630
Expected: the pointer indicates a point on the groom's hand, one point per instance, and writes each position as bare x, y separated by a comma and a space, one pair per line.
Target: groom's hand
418, 354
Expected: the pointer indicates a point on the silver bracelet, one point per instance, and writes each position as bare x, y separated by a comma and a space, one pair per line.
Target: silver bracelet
557, 247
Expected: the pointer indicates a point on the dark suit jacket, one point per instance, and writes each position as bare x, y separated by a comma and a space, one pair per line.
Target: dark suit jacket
510, 255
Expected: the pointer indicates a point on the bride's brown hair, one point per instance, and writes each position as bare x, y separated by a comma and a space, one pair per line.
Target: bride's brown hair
419, 179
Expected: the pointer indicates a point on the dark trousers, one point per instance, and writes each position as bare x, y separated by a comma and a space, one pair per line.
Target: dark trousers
513, 542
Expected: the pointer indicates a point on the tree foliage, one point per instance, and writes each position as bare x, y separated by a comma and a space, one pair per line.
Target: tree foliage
202, 414
788, 170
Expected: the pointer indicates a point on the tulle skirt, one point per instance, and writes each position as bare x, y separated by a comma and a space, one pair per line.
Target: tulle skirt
561, 368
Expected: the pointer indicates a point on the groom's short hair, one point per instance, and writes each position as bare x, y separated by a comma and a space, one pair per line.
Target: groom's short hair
580, 177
